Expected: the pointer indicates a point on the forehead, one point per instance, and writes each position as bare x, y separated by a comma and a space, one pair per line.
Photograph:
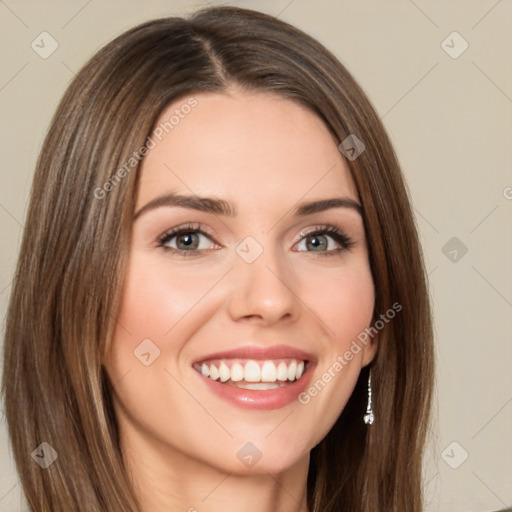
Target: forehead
252, 147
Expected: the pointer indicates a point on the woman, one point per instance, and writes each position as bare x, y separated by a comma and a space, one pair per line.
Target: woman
220, 300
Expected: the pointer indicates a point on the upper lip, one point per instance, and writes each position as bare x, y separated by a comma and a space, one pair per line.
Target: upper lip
260, 353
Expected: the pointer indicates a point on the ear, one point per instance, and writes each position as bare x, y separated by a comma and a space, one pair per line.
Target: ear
370, 350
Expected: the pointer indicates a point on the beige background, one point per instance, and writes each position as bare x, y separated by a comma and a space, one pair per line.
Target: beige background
451, 122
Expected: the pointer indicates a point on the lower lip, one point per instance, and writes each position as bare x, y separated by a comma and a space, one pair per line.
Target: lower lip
267, 399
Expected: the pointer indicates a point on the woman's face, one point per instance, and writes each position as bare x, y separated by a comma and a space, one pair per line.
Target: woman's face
244, 292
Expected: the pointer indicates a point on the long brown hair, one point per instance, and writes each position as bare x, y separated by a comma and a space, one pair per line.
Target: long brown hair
71, 264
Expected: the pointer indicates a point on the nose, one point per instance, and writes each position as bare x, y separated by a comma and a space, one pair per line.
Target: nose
263, 291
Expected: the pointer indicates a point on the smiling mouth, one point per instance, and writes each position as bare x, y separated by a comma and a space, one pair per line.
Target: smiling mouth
253, 374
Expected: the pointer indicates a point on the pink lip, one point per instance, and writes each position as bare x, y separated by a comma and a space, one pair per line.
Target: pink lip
263, 400
261, 353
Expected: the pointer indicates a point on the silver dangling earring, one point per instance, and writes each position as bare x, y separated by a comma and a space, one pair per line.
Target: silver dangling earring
368, 417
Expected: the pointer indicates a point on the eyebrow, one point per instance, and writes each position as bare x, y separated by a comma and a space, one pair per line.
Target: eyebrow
221, 207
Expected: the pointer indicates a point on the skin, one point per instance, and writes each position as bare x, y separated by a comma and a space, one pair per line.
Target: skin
263, 154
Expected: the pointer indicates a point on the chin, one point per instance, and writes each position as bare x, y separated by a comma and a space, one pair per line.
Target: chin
263, 457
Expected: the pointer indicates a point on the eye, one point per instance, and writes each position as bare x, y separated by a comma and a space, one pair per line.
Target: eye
326, 240
191, 240
186, 240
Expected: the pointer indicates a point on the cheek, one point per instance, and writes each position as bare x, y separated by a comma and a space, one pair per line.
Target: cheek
343, 300
158, 307
154, 300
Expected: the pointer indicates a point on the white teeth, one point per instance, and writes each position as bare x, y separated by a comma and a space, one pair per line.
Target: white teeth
214, 373
256, 372
224, 372
282, 372
237, 372
252, 371
300, 370
268, 372
292, 370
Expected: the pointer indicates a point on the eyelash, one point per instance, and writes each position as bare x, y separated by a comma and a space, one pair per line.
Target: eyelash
337, 235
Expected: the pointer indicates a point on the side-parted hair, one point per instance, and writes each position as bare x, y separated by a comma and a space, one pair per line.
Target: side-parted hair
72, 261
